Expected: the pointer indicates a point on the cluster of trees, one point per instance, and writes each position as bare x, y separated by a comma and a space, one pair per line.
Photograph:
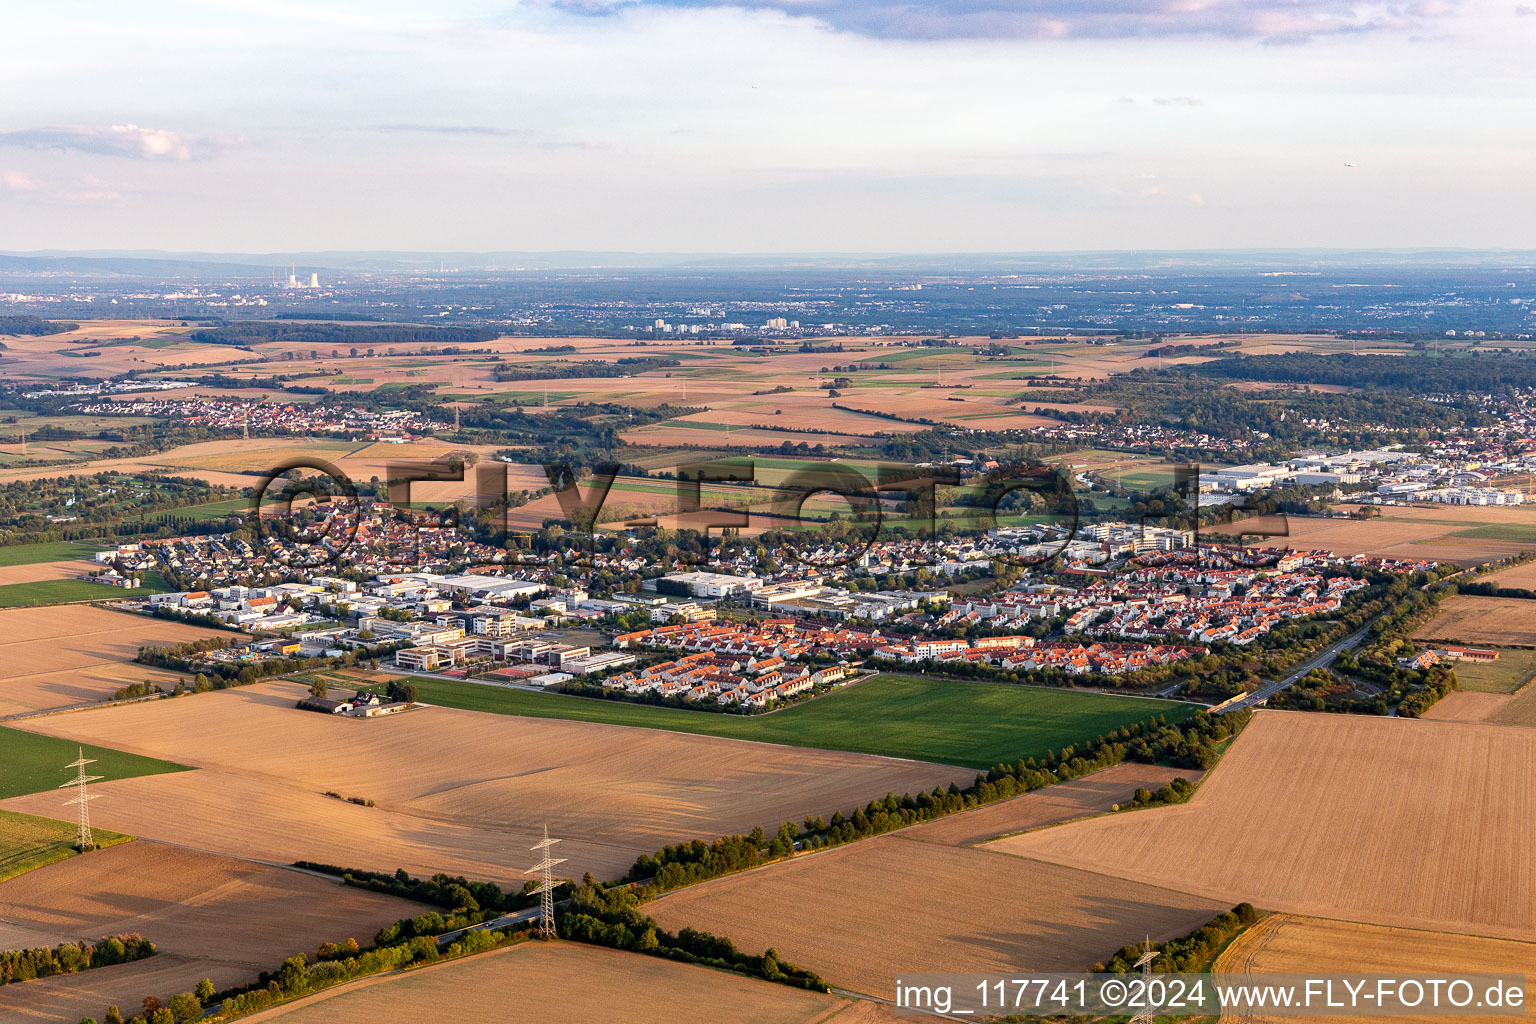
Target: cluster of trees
613, 918
1176, 792
1485, 372
1483, 588
34, 326
220, 675
298, 977
345, 961
452, 892
182, 1008
1193, 743
72, 957
1191, 954
103, 505
1184, 397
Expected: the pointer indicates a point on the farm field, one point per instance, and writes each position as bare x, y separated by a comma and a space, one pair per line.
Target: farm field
1439, 533
1092, 794
36, 764
595, 986
58, 657
58, 355
860, 914
28, 842
210, 917
1339, 816
950, 721
241, 463
1467, 706
68, 591
465, 792
1520, 577
37, 572
1519, 710
52, 551
1285, 943
1482, 620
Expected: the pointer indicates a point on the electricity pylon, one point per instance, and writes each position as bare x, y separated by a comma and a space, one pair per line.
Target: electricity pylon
83, 839
545, 928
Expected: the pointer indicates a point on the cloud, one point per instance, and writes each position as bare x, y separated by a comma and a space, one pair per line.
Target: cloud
1524, 10
454, 129
1269, 20
1177, 101
17, 181
126, 140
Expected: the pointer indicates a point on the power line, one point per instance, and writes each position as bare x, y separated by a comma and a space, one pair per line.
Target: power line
1144, 964
83, 838
545, 928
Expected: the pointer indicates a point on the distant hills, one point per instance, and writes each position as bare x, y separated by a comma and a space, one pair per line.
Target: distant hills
149, 264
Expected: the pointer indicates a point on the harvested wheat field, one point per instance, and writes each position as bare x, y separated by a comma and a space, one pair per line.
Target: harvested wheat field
1521, 576
565, 983
209, 916
859, 914
1418, 824
77, 654
36, 572
1520, 710
1092, 794
1284, 943
1467, 706
460, 783
1482, 620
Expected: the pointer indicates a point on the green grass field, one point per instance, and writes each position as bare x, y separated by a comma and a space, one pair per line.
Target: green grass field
21, 595
28, 842
972, 724
211, 510
30, 763
1513, 670
31, 554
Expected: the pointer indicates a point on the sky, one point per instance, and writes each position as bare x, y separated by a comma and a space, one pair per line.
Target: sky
767, 125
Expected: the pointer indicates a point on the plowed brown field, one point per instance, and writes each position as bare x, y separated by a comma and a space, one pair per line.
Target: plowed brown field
76, 654
209, 916
860, 914
1482, 620
1286, 944
1419, 824
569, 984
456, 790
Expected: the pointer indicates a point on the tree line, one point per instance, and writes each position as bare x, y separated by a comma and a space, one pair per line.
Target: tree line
1191, 954
1192, 743
613, 918
72, 957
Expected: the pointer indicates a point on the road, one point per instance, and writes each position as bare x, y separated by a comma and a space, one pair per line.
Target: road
1322, 660
500, 922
